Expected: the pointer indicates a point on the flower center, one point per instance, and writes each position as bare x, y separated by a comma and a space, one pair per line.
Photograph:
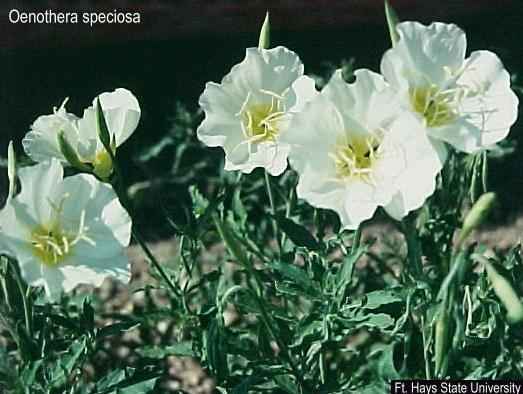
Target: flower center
261, 121
356, 156
438, 107
51, 244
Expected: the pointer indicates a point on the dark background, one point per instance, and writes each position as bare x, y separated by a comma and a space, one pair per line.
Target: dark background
182, 44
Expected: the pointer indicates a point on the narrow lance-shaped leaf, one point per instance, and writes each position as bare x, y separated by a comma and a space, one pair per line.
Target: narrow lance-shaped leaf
102, 129
264, 41
298, 233
392, 21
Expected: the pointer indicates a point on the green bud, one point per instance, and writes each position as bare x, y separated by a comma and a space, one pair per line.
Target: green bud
103, 165
441, 341
11, 170
264, 41
392, 21
476, 216
506, 294
70, 154
102, 129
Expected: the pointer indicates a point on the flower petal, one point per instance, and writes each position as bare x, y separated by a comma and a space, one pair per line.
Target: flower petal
491, 106
38, 184
122, 113
41, 142
93, 271
424, 54
424, 160
461, 134
270, 155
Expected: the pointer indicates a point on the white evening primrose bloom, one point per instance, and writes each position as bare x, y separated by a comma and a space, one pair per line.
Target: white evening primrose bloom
247, 113
65, 232
41, 142
354, 154
465, 102
122, 114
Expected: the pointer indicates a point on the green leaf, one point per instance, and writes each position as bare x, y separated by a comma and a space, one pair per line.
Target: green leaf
200, 203
215, 349
112, 378
376, 299
70, 154
295, 274
286, 384
298, 234
102, 129
344, 276
117, 328
87, 317
181, 349
28, 374
312, 330
380, 321
239, 208
386, 368
145, 386
65, 365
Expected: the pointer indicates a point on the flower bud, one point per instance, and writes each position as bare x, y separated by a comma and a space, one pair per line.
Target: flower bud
392, 21
11, 169
441, 340
476, 216
506, 294
264, 41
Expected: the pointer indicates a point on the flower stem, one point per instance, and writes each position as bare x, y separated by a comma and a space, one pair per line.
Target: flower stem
238, 253
121, 192
25, 301
273, 209
428, 374
288, 210
413, 247
138, 238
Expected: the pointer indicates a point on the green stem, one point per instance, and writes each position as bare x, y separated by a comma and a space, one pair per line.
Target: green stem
121, 192
288, 210
356, 240
238, 253
273, 209
428, 374
413, 247
4, 268
138, 238
25, 301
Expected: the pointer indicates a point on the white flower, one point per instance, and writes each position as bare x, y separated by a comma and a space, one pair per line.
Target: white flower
353, 153
248, 112
65, 232
467, 103
122, 114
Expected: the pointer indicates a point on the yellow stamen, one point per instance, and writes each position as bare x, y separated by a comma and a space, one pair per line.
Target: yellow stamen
438, 107
354, 157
